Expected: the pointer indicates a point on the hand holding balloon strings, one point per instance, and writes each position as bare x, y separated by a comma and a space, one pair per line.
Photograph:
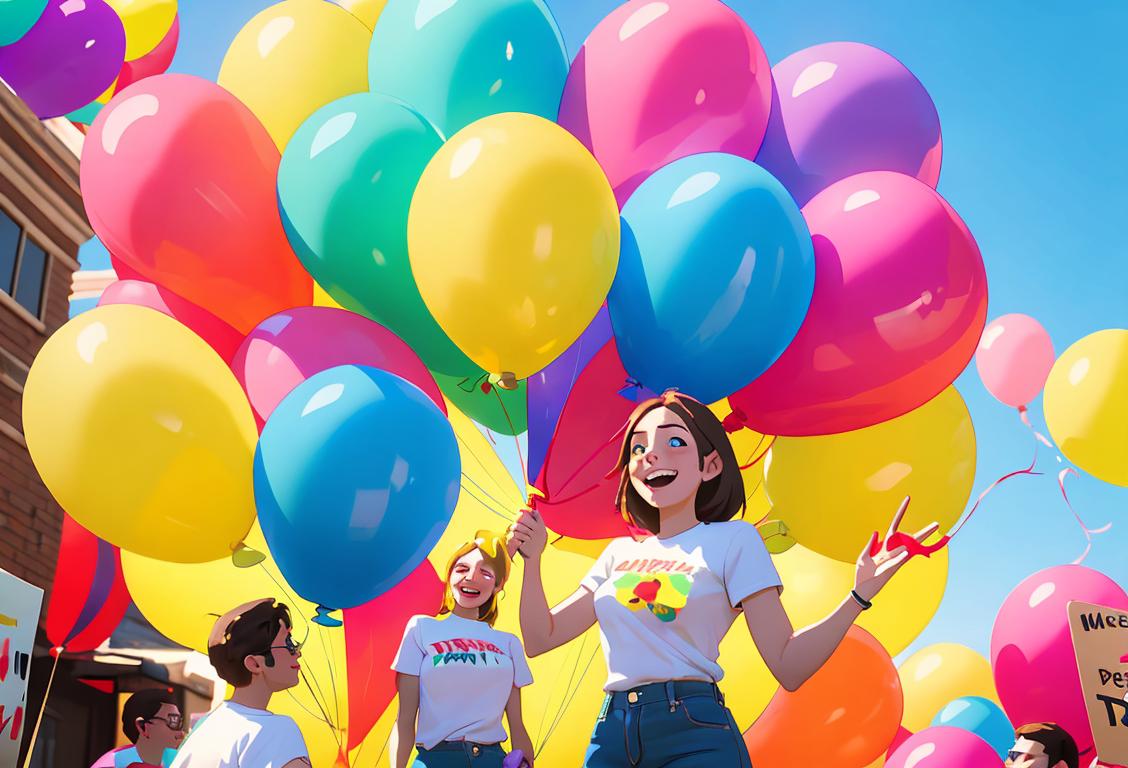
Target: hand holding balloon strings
528, 535
882, 558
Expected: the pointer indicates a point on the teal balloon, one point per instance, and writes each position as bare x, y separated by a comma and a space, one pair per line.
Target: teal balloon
457, 61
84, 115
17, 17
982, 717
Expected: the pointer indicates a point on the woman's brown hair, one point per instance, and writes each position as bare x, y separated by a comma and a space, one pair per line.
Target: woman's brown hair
719, 499
495, 555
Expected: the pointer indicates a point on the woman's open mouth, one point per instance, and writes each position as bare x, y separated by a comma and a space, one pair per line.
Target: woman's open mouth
470, 591
660, 478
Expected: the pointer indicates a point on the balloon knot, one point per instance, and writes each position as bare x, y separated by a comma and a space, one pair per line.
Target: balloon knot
245, 557
735, 421
324, 619
634, 391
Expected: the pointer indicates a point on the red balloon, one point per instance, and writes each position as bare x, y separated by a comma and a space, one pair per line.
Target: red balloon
155, 62
89, 597
287, 348
219, 335
899, 306
372, 636
178, 178
579, 497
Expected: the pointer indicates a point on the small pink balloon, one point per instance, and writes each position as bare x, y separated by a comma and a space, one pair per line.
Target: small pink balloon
1032, 652
655, 82
943, 746
220, 336
899, 304
1014, 358
289, 347
845, 108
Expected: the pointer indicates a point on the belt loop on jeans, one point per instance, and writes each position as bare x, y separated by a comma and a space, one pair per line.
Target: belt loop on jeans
671, 695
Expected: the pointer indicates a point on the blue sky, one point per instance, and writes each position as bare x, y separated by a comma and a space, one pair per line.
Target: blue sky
1034, 113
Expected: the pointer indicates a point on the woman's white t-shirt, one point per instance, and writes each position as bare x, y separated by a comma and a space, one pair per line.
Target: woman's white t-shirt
234, 736
466, 670
664, 605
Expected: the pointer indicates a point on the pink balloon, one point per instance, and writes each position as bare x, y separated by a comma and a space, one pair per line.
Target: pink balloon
1032, 652
178, 178
220, 336
943, 746
899, 304
846, 108
287, 348
655, 82
1014, 358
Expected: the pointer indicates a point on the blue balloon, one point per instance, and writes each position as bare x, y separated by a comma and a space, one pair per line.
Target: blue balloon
457, 61
357, 474
715, 276
982, 717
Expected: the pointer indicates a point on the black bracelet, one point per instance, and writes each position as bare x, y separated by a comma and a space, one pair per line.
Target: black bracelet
866, 604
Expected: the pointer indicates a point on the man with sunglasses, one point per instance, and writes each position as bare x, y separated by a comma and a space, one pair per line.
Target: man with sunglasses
252, 649
1043, 745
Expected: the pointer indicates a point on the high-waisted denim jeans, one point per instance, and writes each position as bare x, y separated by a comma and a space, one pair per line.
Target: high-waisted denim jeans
459, 754
678, 724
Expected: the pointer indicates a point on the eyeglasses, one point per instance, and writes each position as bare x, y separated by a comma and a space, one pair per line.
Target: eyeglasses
1013, 755
175, 722
289, 645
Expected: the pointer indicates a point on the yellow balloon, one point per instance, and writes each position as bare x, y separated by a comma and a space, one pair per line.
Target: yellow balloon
935, 675
182, 600
513, 236
1085, 404
368, 11
146, 23
142, 434
833, 491
293, 58
322, 299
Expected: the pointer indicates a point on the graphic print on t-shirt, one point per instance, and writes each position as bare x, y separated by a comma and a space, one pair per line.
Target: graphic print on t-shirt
660, 586
461, 650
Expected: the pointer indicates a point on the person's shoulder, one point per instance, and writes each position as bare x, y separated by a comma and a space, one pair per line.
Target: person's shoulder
730, 529
419, 621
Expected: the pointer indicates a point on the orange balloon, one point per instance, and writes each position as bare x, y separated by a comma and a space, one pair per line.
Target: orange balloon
845, 715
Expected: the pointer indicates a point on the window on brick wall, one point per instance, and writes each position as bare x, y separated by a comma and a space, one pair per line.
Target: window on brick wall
23, 265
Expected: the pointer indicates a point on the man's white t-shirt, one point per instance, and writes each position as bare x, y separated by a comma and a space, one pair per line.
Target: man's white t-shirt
234, 736
466, 670
664, 605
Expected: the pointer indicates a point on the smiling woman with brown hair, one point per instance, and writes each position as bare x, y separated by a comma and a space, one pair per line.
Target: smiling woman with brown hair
457, 675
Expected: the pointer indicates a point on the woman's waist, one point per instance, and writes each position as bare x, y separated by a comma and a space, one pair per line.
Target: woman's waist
663, 692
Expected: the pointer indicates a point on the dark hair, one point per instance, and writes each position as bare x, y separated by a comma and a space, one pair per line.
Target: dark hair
1055, 740
248, 630
719, 499
145, 705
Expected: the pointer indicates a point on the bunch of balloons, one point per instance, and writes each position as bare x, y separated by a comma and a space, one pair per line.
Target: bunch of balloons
69, 58
395, 231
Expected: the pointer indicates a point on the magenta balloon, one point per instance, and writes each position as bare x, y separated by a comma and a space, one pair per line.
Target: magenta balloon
220, 336
846, 108
1032, 652
291, 346
655, 82
1014, 358
943, 746
899, 305
68, 59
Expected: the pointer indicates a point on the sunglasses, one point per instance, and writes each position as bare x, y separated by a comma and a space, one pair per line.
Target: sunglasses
174, 722
289, 645
1013, 756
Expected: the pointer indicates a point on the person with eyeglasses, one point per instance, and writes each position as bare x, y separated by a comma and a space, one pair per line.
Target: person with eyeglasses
151, 720
457, 676
1043, 745
251, 647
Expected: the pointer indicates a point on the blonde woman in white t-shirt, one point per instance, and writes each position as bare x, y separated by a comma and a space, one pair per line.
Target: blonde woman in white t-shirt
456, 675
664, 602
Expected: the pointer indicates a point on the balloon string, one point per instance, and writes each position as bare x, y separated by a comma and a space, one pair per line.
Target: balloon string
979, 500
758, 457
582, 466
1089, 532
494, 509
56, 652
330, 654
516, 439
555, 681
1025, 416
568, 703
481, 464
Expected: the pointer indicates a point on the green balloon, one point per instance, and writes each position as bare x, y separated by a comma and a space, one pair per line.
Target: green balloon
84, 115
345, 185
17, 17
502, 410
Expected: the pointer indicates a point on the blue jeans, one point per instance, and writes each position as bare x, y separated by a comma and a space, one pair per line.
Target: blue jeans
679, 724
459, 754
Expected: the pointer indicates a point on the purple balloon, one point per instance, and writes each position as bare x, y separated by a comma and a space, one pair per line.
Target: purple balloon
839, 109
548, 389
68, 59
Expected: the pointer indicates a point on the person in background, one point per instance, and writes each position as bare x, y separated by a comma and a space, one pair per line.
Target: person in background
457, 675
1043, 745
252, 649
151, 720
